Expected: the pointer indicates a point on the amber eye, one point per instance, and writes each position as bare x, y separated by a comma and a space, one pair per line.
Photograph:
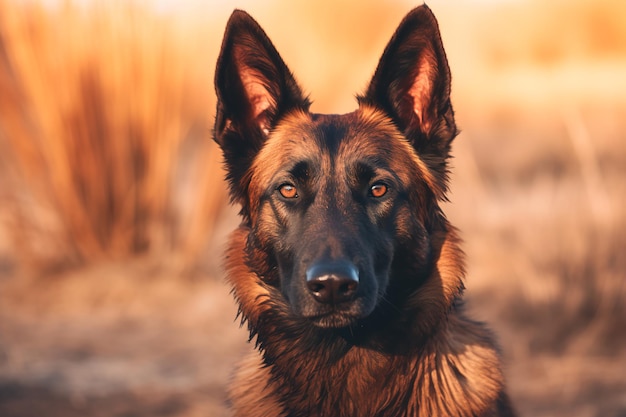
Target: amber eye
288, 191
378, 190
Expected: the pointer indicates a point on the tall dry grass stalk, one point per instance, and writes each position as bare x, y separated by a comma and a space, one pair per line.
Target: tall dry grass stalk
597, 195
104, 118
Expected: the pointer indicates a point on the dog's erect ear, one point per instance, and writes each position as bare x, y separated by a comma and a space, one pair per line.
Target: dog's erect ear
254, 89
412, 84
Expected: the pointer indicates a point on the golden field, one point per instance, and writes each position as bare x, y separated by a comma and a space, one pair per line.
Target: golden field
113, 210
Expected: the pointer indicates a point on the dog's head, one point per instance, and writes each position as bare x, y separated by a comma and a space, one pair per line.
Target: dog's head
336, 204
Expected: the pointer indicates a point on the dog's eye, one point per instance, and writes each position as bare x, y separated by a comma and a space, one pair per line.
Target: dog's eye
288, 191
378, 190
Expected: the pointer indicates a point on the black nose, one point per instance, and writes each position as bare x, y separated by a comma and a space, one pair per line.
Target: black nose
332, 282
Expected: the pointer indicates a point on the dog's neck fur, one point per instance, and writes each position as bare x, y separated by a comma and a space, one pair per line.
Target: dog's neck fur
448, 372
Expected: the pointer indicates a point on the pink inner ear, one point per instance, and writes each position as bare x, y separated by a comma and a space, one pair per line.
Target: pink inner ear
259, 98
421, 90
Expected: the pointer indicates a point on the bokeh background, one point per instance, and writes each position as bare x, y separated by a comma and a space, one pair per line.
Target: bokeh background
113, 212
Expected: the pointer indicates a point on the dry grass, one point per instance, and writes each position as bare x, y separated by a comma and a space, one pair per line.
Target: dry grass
102, 127
105, 156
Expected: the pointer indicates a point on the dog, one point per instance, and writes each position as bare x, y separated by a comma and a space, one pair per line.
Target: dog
345, 269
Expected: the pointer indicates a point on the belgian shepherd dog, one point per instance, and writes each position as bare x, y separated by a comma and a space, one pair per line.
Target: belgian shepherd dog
345, 269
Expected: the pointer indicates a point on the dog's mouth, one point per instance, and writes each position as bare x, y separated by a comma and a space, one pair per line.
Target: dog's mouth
336, 316
335, 319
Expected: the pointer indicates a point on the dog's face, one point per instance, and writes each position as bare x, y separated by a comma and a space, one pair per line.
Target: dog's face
337, 206
330, 194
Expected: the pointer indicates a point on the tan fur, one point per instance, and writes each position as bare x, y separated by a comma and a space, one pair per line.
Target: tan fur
247, 287
251, 391
377, 120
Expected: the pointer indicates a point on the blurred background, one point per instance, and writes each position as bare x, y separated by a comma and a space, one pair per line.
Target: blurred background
113, 212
